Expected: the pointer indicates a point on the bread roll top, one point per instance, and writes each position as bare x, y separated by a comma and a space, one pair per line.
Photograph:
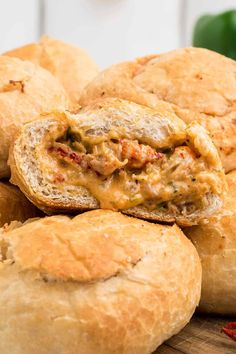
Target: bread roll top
71, 65
87, 248
26, 91
197, 83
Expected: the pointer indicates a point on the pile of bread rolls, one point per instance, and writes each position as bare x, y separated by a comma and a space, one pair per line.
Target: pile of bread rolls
121, 218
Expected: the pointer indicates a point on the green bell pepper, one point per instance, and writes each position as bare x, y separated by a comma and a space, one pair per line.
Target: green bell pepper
217, 32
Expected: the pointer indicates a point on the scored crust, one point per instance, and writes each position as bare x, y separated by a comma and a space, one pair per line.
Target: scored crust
26, 91
216, 245
99, 283
198, 83
71, 65
156, 127
14, 205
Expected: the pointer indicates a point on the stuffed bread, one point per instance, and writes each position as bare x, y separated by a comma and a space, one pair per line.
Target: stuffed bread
26, 91
101, 283
199, 84
71, 65
216, 245
119, 155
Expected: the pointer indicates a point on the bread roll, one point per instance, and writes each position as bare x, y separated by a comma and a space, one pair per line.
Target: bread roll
26, 91
14, 205
216, 245
71, 65
99, 283
119, 155
192, 79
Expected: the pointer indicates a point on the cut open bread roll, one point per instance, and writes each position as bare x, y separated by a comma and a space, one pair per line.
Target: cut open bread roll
101, 283
119, 155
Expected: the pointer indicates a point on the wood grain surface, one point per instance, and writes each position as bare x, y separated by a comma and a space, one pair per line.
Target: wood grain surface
201, 336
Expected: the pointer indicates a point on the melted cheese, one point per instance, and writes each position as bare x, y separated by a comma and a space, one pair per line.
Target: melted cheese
178, 177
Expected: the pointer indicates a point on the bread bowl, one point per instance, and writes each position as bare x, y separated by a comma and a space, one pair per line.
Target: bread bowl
26, 91
99, 283
199, 84
71, 65
118, 155
216, 245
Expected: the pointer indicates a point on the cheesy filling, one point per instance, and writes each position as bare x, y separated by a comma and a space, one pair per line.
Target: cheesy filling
122, 173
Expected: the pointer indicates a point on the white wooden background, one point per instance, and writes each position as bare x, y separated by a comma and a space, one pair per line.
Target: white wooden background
110, 30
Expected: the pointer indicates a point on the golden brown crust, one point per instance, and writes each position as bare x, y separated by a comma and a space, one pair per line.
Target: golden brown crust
26, 91
14, 205
71, 65
123, 289
216, 245
199, 84
162, 129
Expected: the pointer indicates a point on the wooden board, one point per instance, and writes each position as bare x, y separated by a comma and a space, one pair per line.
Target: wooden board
201, 336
